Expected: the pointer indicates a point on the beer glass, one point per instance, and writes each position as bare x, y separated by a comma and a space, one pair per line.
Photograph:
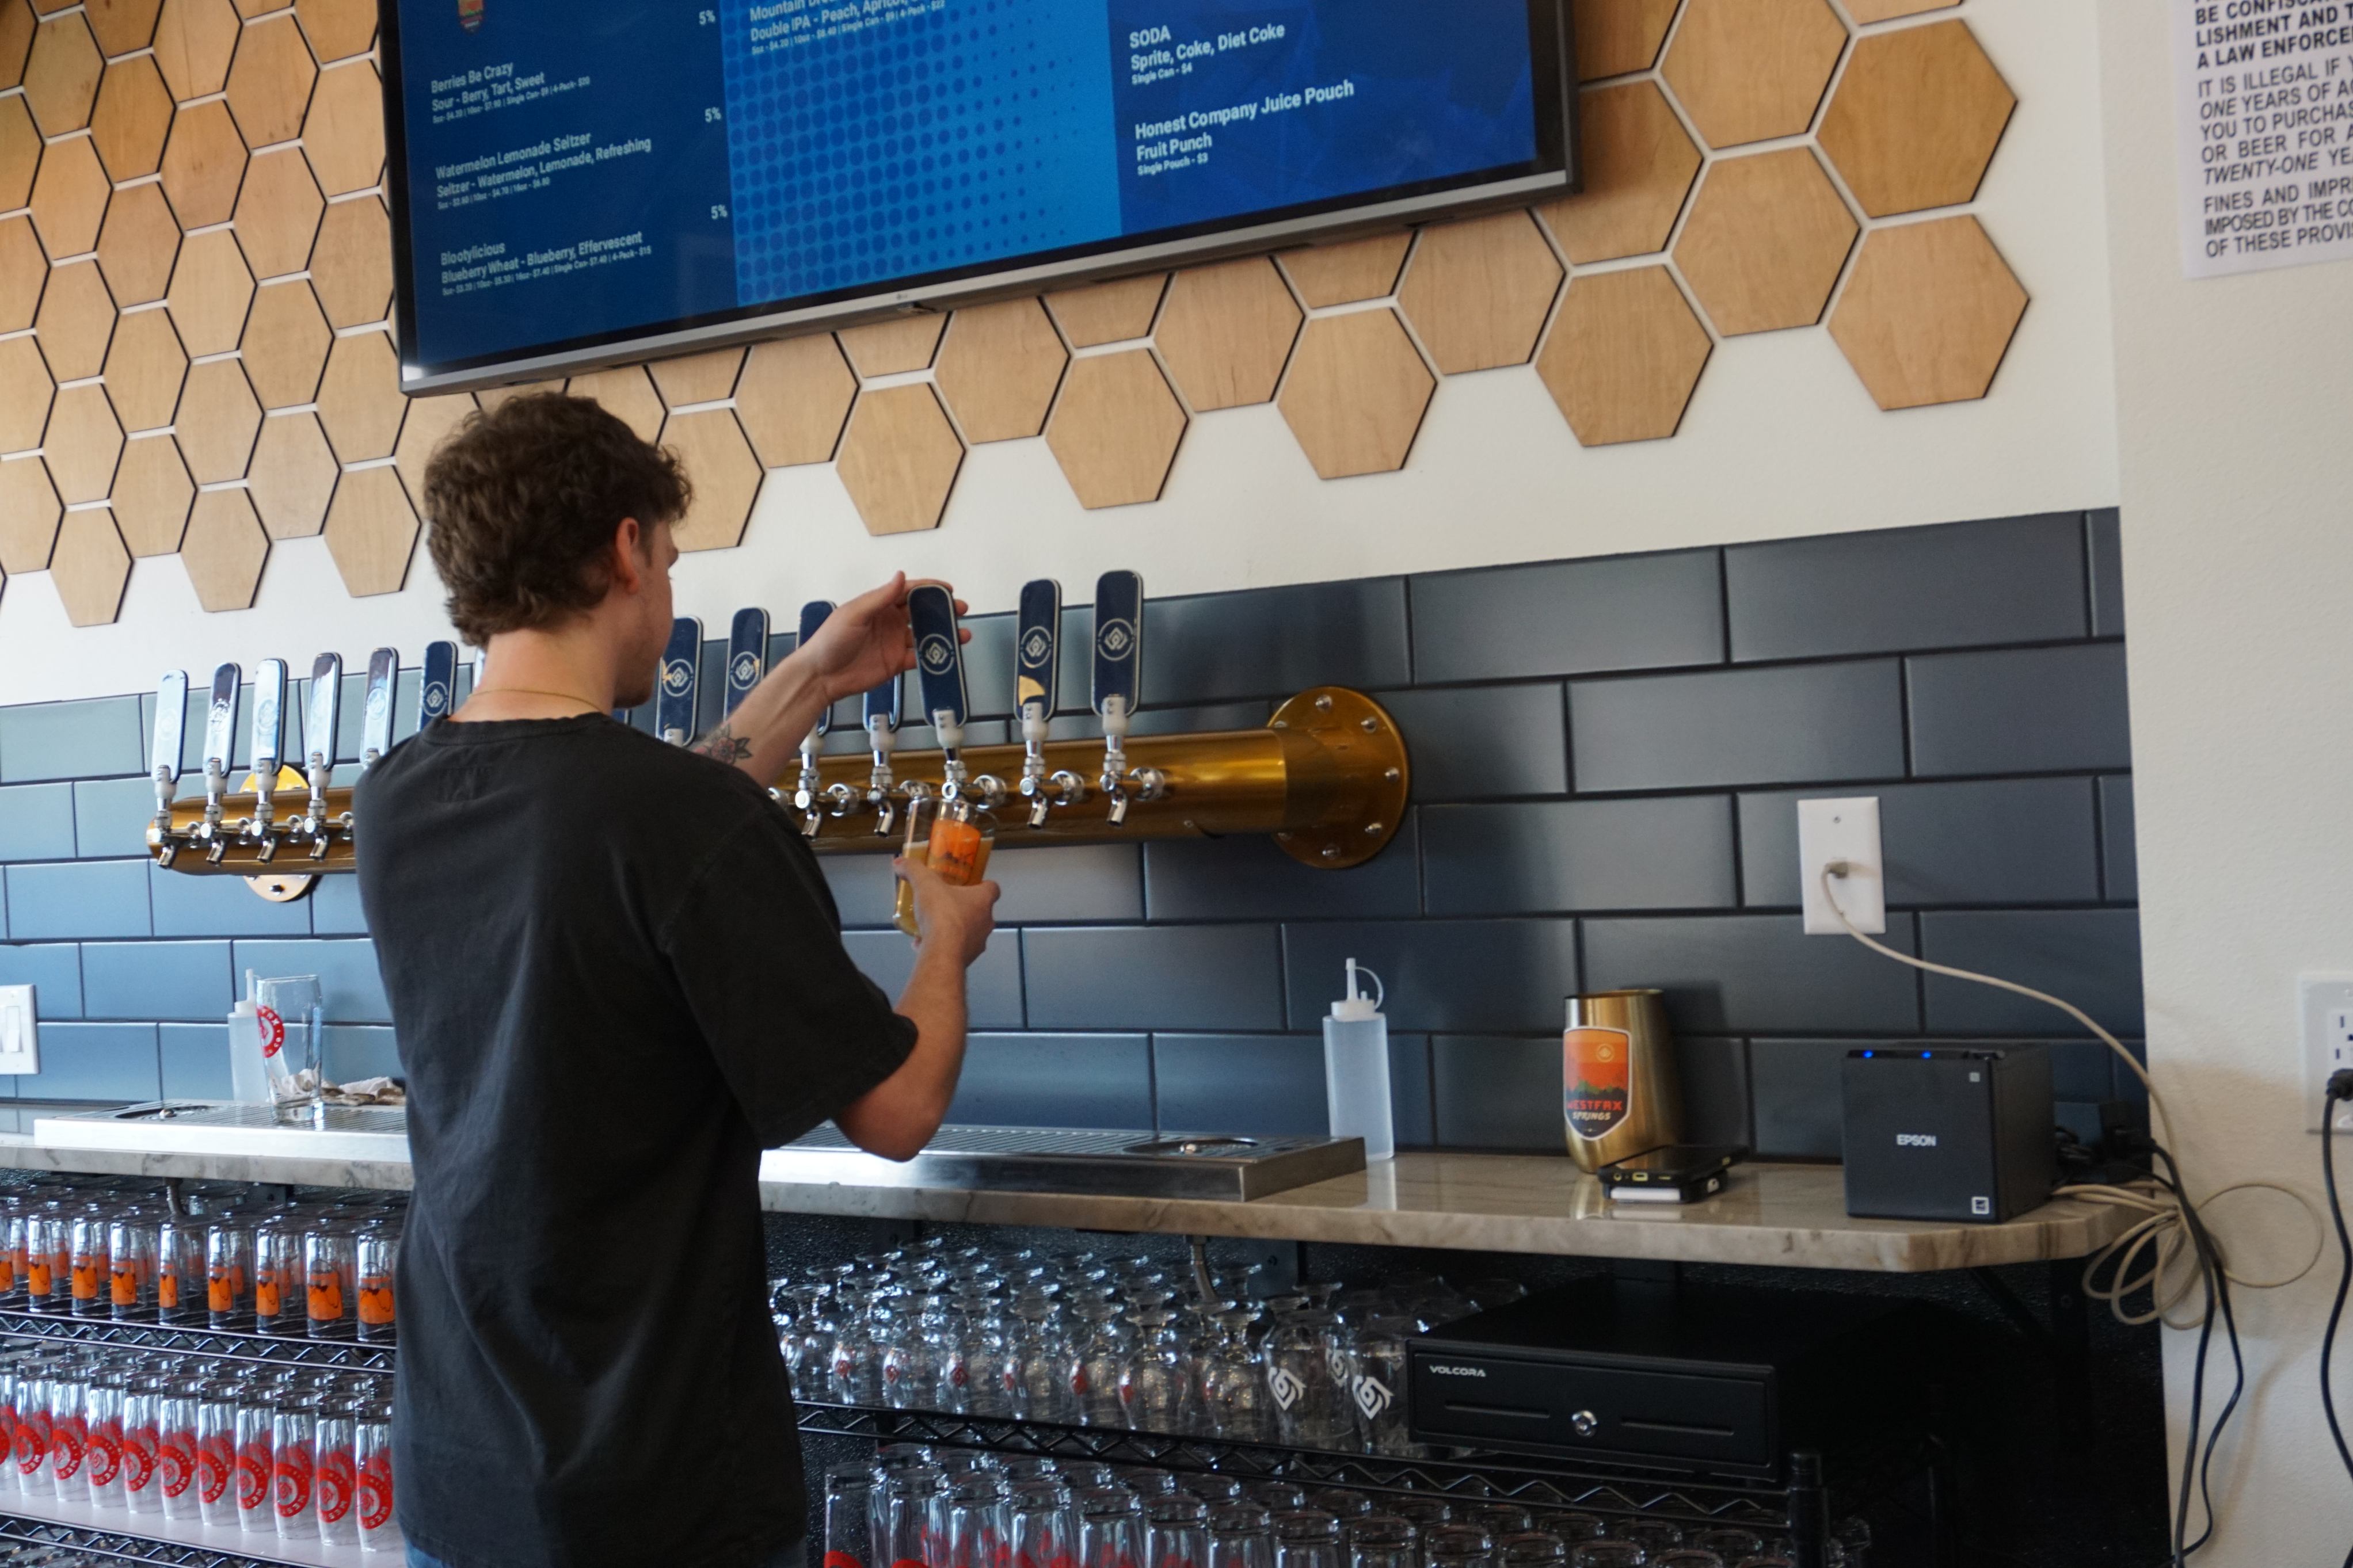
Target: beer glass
1468, 1546
48, 1259
87, 1260
1307, 1539
915, 1517
1240, 1537
68, 1431
1608, 1554
1310, 1409
980, 1520
294, 1466
256, 1415
131, 1264
328, 1281
1111, 1529
1177, 1532
179, 1269
371, 1461
176, 1490
142, 1402
13, 1219
216, 1483
1530, 1548
101, 1462
277, 1276
1497, 1519
374, 1252
1156, 1381
1383, 1541
1576, 1526
28, 1448
1041, 1527
1276, 1497
335, 1478
229, 1272
292, 1017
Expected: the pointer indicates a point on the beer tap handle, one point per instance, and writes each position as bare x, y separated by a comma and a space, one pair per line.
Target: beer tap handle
939, 673
881, 712
747, 657
220, 743
440, 683
319, 721
478, 668
376, 710
269, 749
805, 792
674, 696
171, 734
1037, 661
1118, 680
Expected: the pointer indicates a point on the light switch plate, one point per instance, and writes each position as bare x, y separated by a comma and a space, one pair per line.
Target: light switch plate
20, 1030
2324, 1006
1845, 829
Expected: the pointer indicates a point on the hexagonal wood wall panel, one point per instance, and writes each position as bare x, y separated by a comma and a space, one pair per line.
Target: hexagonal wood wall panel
1916, 118
212, 360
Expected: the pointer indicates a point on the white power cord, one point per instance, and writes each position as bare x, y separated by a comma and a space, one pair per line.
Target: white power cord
2160, 1227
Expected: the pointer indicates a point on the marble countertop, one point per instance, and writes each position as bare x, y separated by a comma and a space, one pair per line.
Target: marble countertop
1773, 1215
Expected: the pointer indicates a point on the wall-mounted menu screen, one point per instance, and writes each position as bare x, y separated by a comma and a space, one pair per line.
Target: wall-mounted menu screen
580, 182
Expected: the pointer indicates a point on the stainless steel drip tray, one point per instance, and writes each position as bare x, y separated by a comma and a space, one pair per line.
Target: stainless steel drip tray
203, 1127
1051, 1160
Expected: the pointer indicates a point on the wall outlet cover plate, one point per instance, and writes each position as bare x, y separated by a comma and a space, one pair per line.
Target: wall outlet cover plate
2325, 1008
20, 1031
1845, 829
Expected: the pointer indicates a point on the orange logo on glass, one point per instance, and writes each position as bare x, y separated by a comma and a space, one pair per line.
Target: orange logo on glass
1596, 1086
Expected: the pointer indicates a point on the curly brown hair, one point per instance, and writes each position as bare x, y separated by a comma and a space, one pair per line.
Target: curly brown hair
520, 503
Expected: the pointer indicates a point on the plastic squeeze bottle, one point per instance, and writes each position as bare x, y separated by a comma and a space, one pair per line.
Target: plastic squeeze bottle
1356, 1067
249, 1076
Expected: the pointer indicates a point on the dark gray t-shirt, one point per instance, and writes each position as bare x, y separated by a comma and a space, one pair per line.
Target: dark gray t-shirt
616, 976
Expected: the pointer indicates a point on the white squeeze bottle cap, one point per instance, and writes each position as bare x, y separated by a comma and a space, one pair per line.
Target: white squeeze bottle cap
1356, 1008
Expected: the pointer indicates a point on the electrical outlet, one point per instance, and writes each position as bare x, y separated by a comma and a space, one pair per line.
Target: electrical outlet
20, 1030
2325, 1004
1844, 830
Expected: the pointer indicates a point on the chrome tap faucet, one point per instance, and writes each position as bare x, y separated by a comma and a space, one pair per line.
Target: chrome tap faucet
1037, 660
881, 736
171, 733
319, 721
220, 743
269, 739
805, 792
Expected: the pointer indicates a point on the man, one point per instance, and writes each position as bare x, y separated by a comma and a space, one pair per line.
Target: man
616, 976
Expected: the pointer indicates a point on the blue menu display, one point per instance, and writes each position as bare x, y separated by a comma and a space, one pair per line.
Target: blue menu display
571, 175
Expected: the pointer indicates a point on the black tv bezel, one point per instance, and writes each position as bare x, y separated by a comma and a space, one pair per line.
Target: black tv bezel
1556, 169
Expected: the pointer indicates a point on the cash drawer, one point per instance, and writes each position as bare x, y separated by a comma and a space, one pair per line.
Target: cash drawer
1620, 1414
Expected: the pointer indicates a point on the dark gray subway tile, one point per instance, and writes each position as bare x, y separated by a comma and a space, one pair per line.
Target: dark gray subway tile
1483, 742
353, 986
2119, 847
2080, 1070
1997, 841
863, 886
1209, 978
194, 1061
1551, 857
1796, 1088
1258, 642
1456, 976
113, 1064
1251, 877
1257, 1085
1963, 585
111, 816
188, 980
1742, 973
2019, 711
2104, 539
1737, 727
1568, 618
1499, 1093
1713, 1075
1068, 884
187, 905
37, 821
54, 971
2088, 957
335, 907
101, 897
1055, 1080
992, 985
1411, 1111
94, 738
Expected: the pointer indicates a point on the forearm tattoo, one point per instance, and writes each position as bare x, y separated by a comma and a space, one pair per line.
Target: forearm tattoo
723, 744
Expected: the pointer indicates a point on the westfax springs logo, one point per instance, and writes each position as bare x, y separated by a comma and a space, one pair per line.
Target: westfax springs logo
745, 673
1368, 1394
437, 701
677, 676
938, 654
1115, 640
1036, 646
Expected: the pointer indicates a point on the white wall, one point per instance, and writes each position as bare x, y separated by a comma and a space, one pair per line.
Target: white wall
2233, 397
1780, 440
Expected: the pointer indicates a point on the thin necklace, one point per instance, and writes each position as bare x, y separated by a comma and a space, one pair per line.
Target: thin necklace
593, 707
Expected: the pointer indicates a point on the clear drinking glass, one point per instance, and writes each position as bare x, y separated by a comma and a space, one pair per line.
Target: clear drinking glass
1156, 1381
12, 1246
980, 1520
216, 1488
1177, 1532
101, 1462
175, 1488
915, 1517
179, 1269
1276, 1497
1308, 1538
1095, 1363
68, 1431
1041, 1369
131, 1264
335, 1485
28, 1447
293, 1016
1111, 1529
48, 1259
1607, 1554
277, 1276
1240, 1536
1530, 1548
373, 1254
1311, 1409
371, 1461
1425, 1513
1652, 1535
88, 1259
329, 1281
1576, 1526
1041, 1528
1686, 1557
1383, 1541
1498, 1519
229, 1272
1463, 1546
142, 1402
1376, 1383
293, 1467
257, 1414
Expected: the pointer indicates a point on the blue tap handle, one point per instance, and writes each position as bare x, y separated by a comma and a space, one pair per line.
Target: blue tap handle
1118, 641
1037, 647
813, 615
939, 654
674, 694
441, 682
747, 657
